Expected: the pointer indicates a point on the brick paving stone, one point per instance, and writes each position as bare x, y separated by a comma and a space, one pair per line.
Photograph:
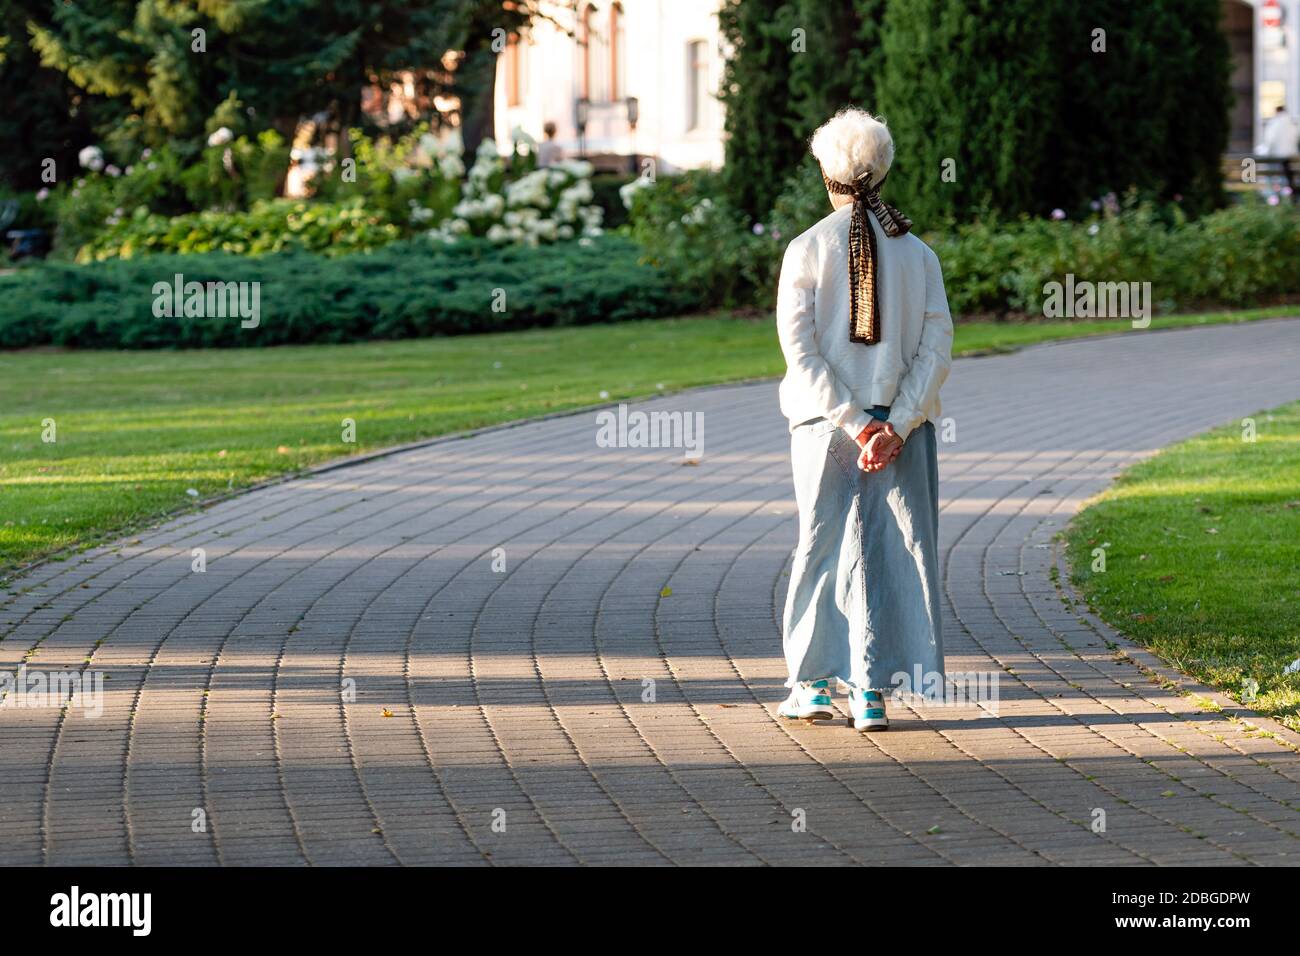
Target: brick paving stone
357, 678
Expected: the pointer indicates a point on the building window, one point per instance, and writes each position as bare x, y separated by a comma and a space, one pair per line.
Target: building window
617, 53
697, 83
596, 62
514, 72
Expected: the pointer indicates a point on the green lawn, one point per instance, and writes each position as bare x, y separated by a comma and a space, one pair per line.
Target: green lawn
1202, 550
137, 430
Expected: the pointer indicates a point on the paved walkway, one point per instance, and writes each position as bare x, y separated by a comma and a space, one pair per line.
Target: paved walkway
518, 729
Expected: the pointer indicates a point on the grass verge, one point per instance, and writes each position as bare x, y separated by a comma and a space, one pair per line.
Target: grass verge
1202, 559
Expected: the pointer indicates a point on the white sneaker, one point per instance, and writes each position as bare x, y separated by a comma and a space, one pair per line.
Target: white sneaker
867, 710
810, 700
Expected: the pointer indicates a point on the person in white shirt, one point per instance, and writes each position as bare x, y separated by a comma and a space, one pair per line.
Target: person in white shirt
1282, 142
1280, 135
864, 325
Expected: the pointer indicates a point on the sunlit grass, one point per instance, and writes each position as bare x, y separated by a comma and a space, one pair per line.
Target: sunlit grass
137, 430
1202, 549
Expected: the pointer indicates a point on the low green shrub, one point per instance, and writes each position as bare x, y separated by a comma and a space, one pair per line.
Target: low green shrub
1242, 255
605, 194
412, 288
688, 229
272, 225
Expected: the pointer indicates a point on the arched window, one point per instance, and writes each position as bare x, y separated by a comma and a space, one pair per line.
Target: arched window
596, 68
697, 83
515, 71
617, 53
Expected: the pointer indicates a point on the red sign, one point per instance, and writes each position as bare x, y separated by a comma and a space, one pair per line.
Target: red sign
1271, 14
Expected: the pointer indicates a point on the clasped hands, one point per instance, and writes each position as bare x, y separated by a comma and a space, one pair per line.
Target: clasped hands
879, 445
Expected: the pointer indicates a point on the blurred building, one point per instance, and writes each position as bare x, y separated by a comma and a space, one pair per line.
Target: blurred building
1265, 40
620, 79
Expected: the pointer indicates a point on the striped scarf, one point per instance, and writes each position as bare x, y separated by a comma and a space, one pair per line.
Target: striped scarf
864, 302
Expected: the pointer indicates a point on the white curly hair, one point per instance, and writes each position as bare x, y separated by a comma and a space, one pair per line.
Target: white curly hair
853, 142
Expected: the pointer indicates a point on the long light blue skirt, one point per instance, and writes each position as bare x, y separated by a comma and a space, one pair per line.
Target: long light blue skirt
863, 604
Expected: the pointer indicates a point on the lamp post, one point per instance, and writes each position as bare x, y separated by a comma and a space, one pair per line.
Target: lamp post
580, 120
633, 114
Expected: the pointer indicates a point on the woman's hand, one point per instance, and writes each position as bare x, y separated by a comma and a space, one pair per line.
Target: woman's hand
864, 436
881, 448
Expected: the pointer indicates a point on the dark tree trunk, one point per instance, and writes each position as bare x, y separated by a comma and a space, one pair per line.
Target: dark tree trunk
476, 81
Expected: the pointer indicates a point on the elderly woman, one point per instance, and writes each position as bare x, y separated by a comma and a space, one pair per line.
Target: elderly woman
864, 324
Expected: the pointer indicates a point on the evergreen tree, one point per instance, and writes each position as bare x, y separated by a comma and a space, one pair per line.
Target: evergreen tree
1150, 112
841, 64
793, 64
761, 148
169, 65
1050, 103
969, 91
45, 116
1201, 114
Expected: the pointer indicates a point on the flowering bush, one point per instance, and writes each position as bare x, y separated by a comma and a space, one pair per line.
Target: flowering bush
535, 206
415, 184
233, 172
413, 181
685, 227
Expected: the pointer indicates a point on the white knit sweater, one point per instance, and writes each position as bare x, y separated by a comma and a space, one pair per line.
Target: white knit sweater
829, 376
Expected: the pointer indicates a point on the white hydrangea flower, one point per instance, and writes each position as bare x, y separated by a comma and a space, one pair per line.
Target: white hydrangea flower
628, 191
451, 166
92, 158
579, 168
581, 191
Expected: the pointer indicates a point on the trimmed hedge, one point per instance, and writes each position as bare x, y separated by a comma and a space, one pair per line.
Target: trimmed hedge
405, 290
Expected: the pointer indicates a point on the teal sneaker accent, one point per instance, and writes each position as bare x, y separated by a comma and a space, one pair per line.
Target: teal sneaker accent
808, 701
867, 710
